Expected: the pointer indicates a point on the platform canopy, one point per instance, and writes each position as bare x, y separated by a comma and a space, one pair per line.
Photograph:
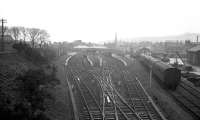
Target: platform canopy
90, 47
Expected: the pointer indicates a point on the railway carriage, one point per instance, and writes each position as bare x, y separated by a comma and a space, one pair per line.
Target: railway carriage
169, 76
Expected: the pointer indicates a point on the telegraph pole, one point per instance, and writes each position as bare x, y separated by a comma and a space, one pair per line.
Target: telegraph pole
150, 76
2, 33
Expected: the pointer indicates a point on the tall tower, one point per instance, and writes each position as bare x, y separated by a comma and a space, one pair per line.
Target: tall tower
116, 38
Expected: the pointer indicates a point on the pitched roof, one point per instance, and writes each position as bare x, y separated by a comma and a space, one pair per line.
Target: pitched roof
194, 49
81, 46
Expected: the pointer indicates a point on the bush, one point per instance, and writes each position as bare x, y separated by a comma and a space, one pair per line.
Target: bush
32, 91
29, 53
49, 53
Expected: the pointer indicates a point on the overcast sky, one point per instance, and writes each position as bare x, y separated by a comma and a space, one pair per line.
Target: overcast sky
98, 20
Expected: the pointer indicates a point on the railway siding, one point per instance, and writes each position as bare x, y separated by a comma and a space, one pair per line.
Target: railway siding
74, 107
189, 98
120, 59
90, 61
70, 55
139, 99
180, 111
151, 101
110, 104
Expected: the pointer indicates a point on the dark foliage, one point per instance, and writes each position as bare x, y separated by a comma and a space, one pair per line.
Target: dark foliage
49, 53
35, 55
32, 91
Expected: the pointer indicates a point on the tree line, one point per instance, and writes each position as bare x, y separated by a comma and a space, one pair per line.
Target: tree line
28, 95
37, 37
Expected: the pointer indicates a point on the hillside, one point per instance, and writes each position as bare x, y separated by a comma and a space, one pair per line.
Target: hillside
27, 83
182, 37
14, 64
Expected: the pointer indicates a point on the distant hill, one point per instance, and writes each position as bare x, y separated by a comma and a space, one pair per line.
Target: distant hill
182, 37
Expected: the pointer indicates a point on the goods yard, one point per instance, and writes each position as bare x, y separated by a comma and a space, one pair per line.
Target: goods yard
104, 89
104, 86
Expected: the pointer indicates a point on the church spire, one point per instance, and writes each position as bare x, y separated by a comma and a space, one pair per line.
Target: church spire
115, 38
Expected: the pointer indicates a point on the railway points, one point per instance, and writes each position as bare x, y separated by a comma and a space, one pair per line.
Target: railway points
90, 61
68, 58
120, 59
97, 95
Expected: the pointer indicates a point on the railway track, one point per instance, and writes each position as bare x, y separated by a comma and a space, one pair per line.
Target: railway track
90, 109
138, 100
115, 107
3, 78
120, 59
110, 105
189, 98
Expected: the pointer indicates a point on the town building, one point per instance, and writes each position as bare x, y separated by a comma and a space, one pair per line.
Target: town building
193, 55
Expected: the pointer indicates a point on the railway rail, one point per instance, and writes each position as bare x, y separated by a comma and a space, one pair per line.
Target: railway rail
111, 105
138, 99
115, 107
120, 59
3, 78
90, 109
90, 61
189, 98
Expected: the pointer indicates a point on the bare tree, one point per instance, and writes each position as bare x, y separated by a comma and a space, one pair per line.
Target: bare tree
14, 32
24, 33
38, 36
43, 38
34, 35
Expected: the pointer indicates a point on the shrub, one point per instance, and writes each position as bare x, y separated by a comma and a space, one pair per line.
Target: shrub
32, 91
29, 53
